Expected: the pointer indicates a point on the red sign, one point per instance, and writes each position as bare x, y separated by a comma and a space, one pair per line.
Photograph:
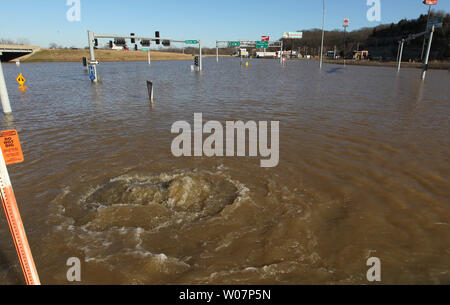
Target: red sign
430, 2
346, 22
265, 38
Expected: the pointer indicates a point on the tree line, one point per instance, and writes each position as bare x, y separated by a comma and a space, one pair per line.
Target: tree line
381, 41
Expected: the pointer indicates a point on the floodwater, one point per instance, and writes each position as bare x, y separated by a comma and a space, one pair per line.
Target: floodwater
363, 172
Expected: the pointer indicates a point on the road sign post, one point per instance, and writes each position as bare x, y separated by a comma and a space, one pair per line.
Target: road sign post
10, 143
425, 66
429, 3
93, 63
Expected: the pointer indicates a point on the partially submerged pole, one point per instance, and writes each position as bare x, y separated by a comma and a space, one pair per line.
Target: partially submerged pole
200, 68
427, 56
149, 56
425, 37
281, 53
93, 62
323, 35
217, 52
398, 52
150, 90
4, 92
400, 55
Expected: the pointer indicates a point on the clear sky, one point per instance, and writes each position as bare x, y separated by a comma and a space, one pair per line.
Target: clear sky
44, 21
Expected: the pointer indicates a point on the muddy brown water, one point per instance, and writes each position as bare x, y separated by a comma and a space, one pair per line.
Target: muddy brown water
364, 172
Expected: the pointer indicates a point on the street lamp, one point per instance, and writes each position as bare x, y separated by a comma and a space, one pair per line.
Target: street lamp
323, 34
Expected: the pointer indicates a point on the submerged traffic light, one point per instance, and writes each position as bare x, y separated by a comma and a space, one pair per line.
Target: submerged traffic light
157, 36
135, 47
196, 61
111, 44
96, 42
133, 40
166, 43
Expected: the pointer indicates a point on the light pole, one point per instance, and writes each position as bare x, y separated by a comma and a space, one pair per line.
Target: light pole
429, 3
323, 35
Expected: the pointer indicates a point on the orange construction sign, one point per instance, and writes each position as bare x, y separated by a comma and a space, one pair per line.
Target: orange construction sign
9, 141
11, 149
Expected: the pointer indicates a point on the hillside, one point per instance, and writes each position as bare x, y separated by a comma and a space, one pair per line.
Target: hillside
381, 41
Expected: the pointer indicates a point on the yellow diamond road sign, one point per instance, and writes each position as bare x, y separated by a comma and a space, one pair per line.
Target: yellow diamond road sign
21, 80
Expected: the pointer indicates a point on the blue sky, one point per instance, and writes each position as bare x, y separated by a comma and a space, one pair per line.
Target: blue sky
44, 21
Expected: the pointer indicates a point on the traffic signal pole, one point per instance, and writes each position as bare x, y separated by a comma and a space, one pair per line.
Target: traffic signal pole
4, 92
93, 36
92, 63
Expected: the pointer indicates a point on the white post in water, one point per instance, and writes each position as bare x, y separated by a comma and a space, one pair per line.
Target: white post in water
427, 57
149, 57
400, 55
4, 92
200, 67
92, 62
281, 53
398, 52
217, 52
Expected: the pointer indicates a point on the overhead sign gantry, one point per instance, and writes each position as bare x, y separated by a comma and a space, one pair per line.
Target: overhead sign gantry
92, 37
248, 44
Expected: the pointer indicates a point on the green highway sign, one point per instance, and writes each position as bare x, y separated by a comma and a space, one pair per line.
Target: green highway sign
191, 41
234, 43
437, 22
262, 44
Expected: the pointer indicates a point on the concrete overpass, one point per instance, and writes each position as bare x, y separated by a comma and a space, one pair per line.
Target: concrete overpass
11, 52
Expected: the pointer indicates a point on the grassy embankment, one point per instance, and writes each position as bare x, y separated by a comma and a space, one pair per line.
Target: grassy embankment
66, 55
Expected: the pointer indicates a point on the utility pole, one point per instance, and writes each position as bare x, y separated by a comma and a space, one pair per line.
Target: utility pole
323, 35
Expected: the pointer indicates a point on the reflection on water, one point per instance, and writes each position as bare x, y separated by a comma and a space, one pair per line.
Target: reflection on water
364, 171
